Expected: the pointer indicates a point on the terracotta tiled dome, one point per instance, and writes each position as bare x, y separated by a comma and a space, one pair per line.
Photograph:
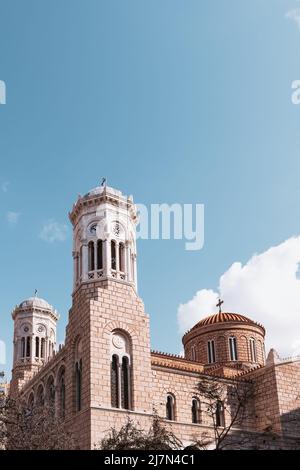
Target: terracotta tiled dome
224, 317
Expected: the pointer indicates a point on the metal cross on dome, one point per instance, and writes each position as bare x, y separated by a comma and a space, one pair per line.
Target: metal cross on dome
219, 304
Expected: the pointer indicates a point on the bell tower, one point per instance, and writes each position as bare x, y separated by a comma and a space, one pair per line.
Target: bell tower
104, 242
108, 330
34, 338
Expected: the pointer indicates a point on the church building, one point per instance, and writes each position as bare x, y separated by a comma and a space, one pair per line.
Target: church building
106, 370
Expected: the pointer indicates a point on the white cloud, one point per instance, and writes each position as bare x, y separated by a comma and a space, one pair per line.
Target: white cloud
294, 15
4, 186
54, 231
266, 288
12, 217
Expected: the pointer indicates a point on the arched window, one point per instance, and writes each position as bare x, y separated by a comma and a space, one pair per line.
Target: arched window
99, 254
220, 418
50, 391
193, 352
78, 375
37, 347
211, 351
196, 411
40, 395
62, 394
31, 401
28, 341
233, 348
121, 257
253, 357
43, 348
170, 407
91, 256
115, 381
113, 255
23, 347
80, 262
125, 384
78, 384
121, 371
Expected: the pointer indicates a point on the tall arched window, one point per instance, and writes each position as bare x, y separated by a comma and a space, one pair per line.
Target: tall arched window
37, 346
233, 348
62, 394
43, 348
113, 255
78, 376
80, 262
125, 383
115, 381
211, 351
91, 247
40, 395
196, 411
170, 407
28, 343
99, 254
253, 357
121, 387
31, 401
220, 418
121, 257
193, 352
23, 347
50, 391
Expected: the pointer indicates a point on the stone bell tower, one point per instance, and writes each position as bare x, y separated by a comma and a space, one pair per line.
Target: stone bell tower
108, 329
34, 339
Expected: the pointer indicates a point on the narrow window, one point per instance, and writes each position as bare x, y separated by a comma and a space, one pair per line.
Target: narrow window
99, 254
196, 412
91, 256
253, 350
233, 348
43, 348
121, 257
78, 384
113, 255
28, 340
125, 384
23, 347
193, 353
211, 351
115, 382
62, 395
220, 420
170, 408
37, 347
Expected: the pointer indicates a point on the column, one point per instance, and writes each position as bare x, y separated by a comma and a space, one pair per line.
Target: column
134, 270
125, 261
128, 262
107, 258
85, 262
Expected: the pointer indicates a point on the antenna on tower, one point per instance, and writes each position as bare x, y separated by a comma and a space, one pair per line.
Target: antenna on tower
103, 182
35, 293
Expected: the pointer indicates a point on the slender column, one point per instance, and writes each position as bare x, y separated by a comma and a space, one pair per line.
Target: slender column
128, 273
95, 255
107, 258
120, 382
125, 260
134, 270
85, 265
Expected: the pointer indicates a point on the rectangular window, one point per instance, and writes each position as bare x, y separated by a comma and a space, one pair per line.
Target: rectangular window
211, 351
233, 349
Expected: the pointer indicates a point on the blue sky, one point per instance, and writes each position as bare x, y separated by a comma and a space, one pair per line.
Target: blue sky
174, 101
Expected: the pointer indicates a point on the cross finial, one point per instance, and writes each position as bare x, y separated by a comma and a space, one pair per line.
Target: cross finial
103, 182
219, 304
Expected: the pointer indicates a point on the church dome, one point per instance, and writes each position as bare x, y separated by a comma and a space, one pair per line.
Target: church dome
35, 302
223, 317
225, 338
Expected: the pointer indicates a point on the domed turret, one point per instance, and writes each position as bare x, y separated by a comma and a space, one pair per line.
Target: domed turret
226, 338
34, 335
